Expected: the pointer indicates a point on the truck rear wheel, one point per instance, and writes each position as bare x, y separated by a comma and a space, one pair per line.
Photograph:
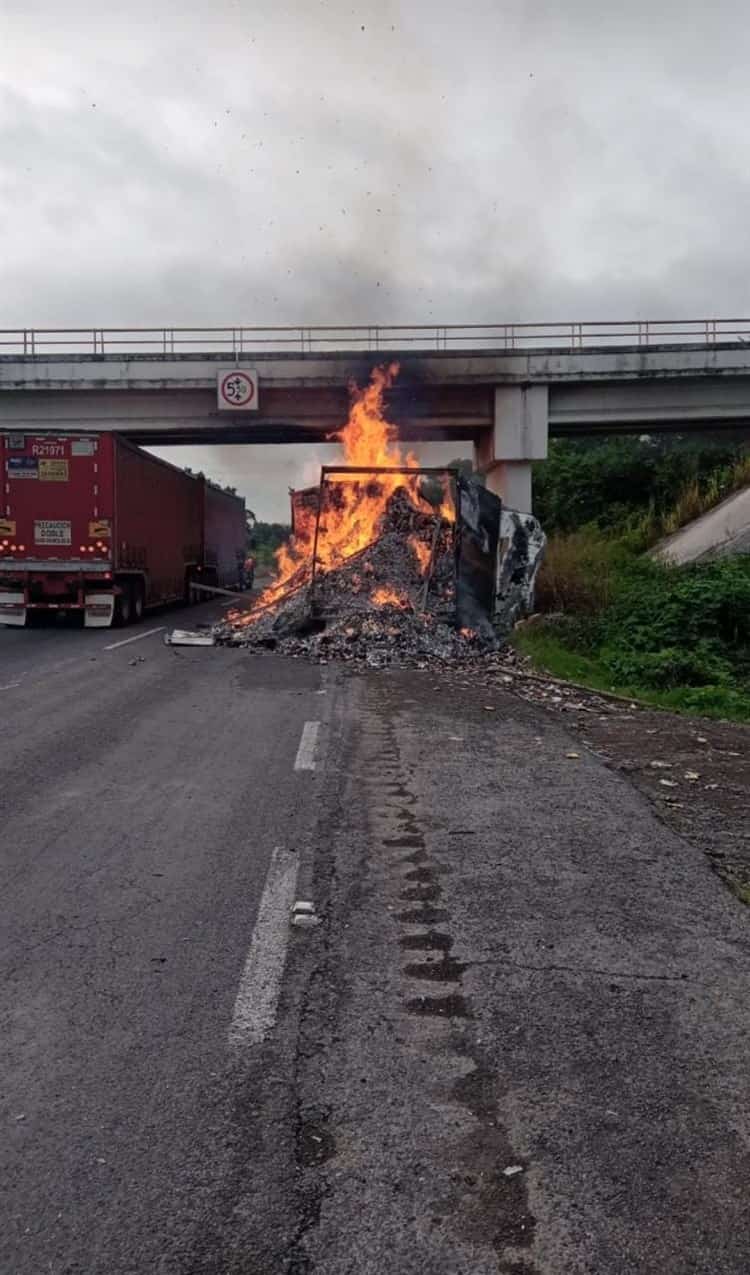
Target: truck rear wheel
137, 602
123, 608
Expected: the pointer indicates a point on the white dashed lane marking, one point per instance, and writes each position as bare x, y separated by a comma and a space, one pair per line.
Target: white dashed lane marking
126, 641
305, 759
260, 985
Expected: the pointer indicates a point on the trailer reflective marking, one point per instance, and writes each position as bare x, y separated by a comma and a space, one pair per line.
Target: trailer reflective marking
126, 641
305, 759
260, 982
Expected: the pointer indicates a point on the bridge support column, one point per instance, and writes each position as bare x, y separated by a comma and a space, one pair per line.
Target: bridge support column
519, 436
512, 483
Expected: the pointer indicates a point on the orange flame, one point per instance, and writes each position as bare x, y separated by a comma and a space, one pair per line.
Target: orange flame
422, 551
387, 597
353, 504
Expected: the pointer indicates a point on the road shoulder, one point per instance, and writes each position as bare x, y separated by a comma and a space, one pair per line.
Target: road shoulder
527, 1023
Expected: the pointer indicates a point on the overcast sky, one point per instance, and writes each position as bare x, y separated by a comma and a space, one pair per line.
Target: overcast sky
329, 161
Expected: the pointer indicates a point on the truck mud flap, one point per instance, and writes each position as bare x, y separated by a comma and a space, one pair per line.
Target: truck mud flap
100, 608
12, 608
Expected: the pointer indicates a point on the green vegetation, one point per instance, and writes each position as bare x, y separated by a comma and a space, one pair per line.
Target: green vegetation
654, 483
264, 538
617, 621
741, 890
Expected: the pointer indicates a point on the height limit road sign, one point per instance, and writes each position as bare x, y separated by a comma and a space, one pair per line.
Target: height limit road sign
237, 389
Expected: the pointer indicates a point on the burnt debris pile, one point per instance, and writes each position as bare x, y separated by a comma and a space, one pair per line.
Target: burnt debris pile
394, 602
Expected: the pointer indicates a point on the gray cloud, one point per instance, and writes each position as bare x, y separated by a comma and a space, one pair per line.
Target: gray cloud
333, 161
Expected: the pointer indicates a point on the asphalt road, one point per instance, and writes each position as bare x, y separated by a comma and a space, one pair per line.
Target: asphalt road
143, 792
518, 1042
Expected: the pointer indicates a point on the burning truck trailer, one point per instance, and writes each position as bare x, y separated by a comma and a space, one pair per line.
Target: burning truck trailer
455, 544
424, 586
389, 561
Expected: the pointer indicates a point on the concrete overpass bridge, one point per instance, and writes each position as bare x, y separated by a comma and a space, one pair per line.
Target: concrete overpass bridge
504, 387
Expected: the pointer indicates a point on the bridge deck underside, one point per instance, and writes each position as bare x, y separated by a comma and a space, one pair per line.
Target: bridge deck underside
286, 415
424, 411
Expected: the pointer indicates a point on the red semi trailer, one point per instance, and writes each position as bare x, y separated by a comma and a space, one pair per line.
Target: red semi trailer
224, 536
91, 523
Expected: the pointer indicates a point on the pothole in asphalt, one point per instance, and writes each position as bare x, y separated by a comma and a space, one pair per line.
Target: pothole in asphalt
445, 971
453, 1006
425, 874
316, 1143
429, 893
419, 856
432, 941
423, 916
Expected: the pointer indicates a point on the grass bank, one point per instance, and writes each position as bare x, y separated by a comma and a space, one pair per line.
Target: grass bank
612, 619
551, 653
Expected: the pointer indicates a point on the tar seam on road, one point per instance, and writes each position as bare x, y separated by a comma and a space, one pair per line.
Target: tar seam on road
305, 759
126, 641
9, 686
260, 985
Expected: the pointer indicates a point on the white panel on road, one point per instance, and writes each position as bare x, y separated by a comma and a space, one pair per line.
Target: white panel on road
260, 985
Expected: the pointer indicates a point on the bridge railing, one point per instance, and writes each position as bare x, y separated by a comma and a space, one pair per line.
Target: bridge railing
373, 339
